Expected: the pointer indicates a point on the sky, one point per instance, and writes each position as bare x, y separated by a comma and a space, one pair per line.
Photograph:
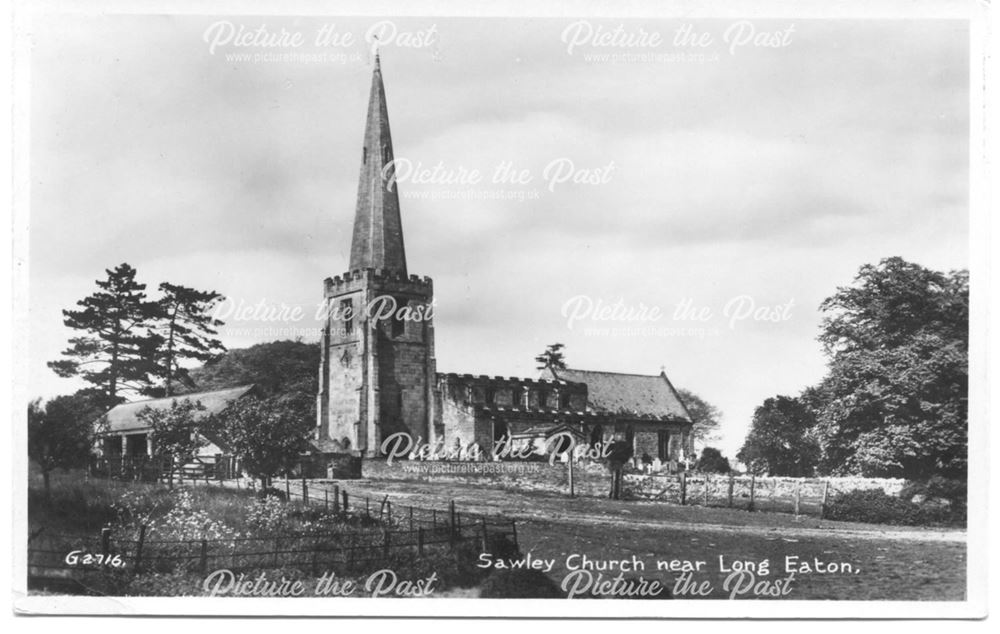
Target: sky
675, 206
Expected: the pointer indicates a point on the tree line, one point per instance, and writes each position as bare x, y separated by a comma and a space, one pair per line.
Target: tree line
894, 401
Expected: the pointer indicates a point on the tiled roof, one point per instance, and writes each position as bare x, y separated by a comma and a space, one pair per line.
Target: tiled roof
638, 394
124, 417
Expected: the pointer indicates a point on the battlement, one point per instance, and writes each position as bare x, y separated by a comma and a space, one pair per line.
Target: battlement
455, 378
376, 277
501, 391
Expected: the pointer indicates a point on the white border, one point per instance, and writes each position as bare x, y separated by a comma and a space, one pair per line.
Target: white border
980, 233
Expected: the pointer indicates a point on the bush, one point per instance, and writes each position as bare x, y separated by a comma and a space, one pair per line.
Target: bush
940, 488
875, 506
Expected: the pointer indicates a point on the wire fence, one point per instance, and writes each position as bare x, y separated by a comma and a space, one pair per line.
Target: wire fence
372, 533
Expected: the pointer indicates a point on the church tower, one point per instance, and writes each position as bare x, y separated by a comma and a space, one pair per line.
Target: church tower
377, 367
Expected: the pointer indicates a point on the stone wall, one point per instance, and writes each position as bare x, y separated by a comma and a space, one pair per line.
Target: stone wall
768, 494
590, 479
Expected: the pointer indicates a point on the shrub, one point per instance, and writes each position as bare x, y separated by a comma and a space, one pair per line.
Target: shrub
712, 461
875, 506
941, 488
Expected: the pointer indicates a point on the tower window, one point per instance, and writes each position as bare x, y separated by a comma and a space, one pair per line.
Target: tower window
347, 314
398, 324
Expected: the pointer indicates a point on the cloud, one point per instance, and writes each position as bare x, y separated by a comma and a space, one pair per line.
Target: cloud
769, 173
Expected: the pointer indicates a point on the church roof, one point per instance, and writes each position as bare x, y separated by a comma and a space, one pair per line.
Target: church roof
123, 418
639, 394
377, 241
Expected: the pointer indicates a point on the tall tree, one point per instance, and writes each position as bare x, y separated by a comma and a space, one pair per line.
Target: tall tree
268, 435
116, 350
706, 417
895, 399
780, 441
177, 432
61, 433
893, 301
187, 331
553, 357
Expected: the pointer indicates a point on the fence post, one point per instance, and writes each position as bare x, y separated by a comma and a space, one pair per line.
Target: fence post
203, 561
315, 555
388, 512
288, 489
420, 541
798, 495
336, 498
326, 500
753, 486
305, 493
368, 509
572, 488
105, 543
411, 518
344, 493
729, 494
705, 494
513, 532
826, 491
138, 547
683, 487
451, 524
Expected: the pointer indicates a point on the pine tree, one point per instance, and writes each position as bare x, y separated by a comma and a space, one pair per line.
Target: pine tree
186, 330
553, 357
115, 352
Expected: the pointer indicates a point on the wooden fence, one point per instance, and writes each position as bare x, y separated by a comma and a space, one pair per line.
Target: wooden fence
142, 468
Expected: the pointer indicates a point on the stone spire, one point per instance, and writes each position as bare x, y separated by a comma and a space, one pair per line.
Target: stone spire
378, 231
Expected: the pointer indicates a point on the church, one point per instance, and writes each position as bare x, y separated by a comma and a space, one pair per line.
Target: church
378, 375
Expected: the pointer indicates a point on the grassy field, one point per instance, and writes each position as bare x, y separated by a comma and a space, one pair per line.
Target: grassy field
887, 562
